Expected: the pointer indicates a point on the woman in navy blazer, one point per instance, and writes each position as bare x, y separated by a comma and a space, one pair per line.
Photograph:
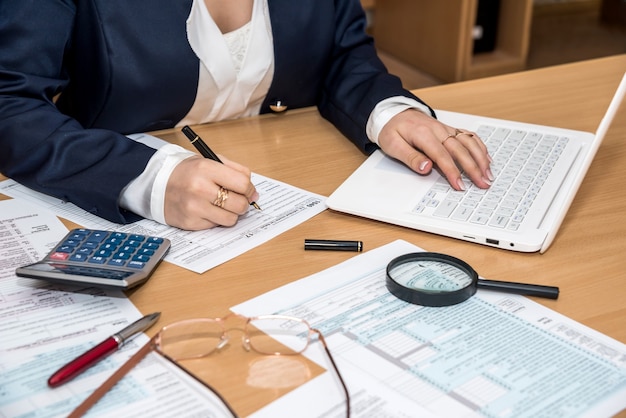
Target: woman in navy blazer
75, 76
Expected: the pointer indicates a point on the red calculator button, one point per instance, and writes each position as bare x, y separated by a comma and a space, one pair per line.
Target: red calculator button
59, 256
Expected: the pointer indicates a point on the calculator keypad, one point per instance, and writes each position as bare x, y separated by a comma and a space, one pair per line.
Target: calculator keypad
116, 249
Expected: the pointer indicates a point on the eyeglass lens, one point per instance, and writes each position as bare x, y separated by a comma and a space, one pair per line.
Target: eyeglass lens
192, 339
278, 335
265, 335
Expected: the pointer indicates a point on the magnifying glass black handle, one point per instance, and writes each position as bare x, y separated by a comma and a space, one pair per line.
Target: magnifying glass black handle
549, 292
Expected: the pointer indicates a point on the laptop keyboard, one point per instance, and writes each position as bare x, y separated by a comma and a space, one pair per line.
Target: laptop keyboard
522, 163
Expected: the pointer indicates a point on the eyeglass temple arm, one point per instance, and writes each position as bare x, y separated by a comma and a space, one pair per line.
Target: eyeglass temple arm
332, 361
206, 385
97, 394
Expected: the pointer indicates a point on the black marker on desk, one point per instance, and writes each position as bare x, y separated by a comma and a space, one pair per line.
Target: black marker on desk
205, 151
333, 245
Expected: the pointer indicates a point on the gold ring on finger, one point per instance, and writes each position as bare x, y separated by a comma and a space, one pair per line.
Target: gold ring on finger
458, 132
222, 195
443, 141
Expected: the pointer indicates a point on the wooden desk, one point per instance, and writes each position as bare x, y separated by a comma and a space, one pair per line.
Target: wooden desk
587, 260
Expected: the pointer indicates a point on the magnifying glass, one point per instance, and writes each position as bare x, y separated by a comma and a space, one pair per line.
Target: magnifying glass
433, 279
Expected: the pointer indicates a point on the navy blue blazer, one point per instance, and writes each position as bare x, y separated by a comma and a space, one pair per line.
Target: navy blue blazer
77, 75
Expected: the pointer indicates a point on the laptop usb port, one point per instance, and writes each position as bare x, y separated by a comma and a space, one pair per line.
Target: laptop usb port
493, 241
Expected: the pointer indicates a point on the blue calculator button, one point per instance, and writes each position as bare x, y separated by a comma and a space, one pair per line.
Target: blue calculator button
150, 246
118, 262
123, 255
146, 251
98, 236
155, 240
118, 235
108, 246
65, 249
104, 253
90, 244
142, 258
139, 238
136, 264
98, 259
84, 250
79, 257
133, 243
73, 242
80, 233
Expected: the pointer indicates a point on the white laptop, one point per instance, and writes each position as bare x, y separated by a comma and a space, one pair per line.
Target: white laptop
538, 170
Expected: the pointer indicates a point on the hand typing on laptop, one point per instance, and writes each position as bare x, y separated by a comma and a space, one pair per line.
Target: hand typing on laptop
421, 142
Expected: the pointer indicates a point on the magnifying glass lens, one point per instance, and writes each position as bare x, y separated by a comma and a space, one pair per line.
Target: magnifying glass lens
433, 279
430, 276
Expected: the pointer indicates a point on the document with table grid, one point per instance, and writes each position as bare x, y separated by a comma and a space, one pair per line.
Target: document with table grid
494, 355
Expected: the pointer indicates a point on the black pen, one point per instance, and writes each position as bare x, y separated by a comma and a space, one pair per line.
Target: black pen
205, 151
333, 245
100, 351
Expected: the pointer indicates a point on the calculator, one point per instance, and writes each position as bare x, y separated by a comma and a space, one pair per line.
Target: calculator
100, 258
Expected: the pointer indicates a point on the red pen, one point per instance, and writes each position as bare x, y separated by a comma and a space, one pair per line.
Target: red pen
106, 347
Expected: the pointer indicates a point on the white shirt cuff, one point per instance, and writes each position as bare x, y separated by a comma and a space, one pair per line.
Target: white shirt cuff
387, 109
145, 195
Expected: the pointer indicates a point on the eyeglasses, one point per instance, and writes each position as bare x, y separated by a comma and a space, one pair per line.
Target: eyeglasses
197, 338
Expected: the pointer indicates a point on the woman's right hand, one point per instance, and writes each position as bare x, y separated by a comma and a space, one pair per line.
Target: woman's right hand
193, 190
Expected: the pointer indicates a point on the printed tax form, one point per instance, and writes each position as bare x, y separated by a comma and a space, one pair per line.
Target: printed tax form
43, 326
493, 355
284, 207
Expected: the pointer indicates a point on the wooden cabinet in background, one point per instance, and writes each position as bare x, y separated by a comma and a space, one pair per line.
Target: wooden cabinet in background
435, 36
613, 12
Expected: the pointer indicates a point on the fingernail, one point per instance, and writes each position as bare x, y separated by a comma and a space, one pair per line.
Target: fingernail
487, 181
461, 184
490, 175
423, 165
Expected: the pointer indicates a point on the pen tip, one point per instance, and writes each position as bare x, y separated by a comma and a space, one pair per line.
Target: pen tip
256, 206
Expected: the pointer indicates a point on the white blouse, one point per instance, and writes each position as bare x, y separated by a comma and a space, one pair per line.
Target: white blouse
236, 70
